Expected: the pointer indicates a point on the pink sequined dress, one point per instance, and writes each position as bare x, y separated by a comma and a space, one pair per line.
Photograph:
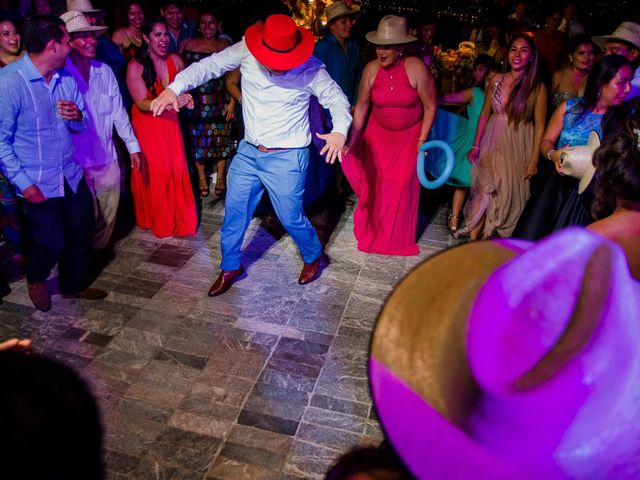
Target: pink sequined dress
382, 172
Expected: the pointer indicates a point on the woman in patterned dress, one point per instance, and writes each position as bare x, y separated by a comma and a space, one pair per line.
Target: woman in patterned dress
209, 123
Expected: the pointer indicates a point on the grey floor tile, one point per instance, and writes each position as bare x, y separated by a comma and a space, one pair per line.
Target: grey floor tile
266, 382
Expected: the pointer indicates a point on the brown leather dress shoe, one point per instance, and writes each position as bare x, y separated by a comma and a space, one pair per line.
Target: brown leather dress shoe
39, 295
88, 294
224, 281
309, 272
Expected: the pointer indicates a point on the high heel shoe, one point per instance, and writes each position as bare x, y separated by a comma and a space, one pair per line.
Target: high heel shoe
452, 223
221, 186
204, 187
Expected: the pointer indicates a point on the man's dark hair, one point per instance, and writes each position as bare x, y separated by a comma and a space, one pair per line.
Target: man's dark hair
50, 422
38, 30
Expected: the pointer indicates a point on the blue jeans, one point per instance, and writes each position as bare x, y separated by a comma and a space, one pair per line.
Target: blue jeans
282, 173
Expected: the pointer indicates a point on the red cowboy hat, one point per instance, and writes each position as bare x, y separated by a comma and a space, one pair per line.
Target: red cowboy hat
279, 44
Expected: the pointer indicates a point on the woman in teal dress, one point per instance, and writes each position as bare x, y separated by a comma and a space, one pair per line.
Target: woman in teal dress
557, 204
459, 132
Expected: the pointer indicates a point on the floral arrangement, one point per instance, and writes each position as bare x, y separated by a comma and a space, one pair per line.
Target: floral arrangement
458, 62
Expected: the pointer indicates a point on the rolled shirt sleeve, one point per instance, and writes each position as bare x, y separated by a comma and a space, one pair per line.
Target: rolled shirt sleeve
208, 68
76, 126
331, 97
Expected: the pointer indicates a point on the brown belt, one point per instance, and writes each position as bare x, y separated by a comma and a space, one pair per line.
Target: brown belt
264, 149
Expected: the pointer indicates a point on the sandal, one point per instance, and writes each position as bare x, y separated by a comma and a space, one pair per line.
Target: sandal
452, 223
204, 187
221, 186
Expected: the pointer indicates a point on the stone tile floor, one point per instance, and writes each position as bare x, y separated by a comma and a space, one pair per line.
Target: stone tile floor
265, 382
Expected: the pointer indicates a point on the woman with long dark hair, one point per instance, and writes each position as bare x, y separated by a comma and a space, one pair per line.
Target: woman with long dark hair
128, 35
210, 121
570, 81
162, 194
505, 150
558, 204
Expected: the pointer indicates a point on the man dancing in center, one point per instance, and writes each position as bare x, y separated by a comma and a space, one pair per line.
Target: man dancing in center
278, 76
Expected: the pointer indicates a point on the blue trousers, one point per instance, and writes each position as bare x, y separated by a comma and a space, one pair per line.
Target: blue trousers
282, 173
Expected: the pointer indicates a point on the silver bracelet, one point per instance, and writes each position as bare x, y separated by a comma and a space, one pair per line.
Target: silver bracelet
549, 154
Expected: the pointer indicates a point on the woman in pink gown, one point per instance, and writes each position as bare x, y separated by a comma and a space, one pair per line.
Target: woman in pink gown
381, 163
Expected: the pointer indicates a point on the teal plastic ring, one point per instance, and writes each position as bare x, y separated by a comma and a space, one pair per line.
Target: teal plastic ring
448, 168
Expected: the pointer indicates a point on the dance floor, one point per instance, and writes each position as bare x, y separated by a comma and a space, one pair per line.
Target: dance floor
265, 382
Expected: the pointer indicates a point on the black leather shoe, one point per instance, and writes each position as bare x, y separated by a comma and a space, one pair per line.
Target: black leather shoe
224, 281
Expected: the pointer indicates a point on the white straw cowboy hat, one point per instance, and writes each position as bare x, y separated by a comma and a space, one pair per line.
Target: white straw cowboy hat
83, 6
509, 359
392, 30
338, 9
626, 31
76, 22
577, 162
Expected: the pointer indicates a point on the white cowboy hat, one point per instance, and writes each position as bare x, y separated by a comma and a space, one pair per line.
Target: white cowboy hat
76, 22
392, 30
626, 31
578, 163
508, 359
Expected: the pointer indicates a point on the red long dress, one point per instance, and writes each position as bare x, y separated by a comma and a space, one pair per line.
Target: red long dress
162, 194
383, 172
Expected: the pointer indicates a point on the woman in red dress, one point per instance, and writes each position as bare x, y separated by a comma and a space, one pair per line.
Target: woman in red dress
162, 193
382, 168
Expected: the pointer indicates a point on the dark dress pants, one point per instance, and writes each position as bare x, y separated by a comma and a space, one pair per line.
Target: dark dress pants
61, 229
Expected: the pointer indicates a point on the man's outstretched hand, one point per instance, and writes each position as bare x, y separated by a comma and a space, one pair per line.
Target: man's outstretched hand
167, 98
333, 147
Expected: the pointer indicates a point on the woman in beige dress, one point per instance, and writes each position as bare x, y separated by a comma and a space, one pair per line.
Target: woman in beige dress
505, 150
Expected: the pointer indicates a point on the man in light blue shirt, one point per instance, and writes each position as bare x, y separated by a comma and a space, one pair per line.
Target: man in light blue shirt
40, 108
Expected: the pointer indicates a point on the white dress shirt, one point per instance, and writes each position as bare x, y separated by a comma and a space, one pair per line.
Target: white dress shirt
102, 99
275, 107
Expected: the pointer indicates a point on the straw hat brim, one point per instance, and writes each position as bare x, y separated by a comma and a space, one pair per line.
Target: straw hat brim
600, 41
90, 28
419, 341
343, 13
373, 37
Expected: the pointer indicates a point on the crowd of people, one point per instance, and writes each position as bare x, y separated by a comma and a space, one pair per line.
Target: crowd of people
181, 102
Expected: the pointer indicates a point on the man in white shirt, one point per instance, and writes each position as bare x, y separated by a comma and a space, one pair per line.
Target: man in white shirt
278, 77
95, 150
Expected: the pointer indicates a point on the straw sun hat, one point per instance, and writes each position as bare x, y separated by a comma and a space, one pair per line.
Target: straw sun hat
626, 31
508, 359
391, 30
76, 22
338, 9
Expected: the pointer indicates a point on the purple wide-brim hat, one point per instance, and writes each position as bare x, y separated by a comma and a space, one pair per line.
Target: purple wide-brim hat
508, 359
